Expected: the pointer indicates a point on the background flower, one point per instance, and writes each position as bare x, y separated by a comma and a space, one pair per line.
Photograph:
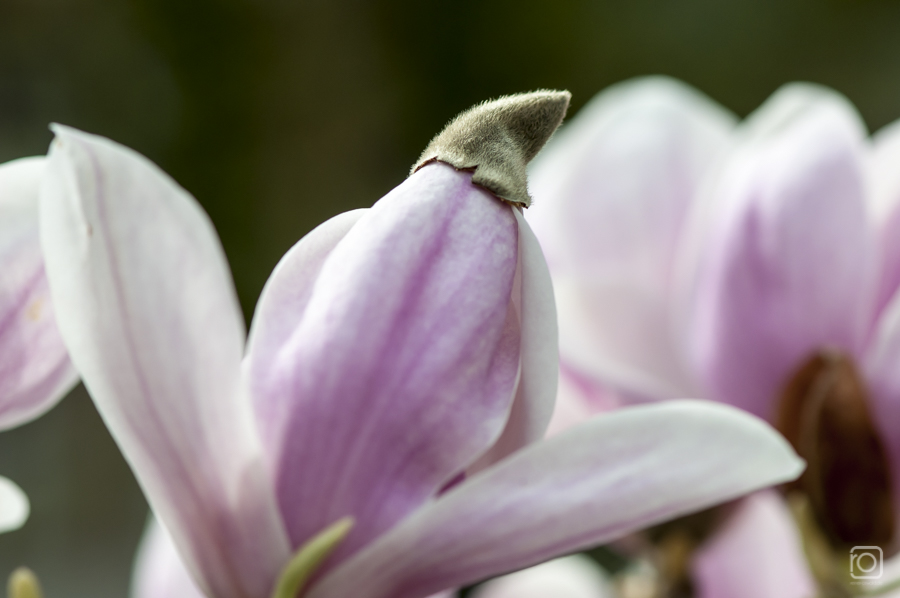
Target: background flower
750, 265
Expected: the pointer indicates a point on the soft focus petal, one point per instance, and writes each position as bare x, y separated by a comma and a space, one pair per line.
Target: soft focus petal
614, 474
14, 506
790, 266
35, 371
146, 305
611, 193
757, 553
402, 369
158, 570
578, 399
791, 104
574, 576
884, 173
535, 395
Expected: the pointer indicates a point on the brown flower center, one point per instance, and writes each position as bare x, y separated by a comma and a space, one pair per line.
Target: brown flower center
823, 412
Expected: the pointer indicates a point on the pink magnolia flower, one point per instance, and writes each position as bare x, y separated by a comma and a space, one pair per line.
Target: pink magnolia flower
400, 368
755, 265
35, 372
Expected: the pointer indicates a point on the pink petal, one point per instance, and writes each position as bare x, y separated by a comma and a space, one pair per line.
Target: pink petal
158, 570
148, 310
596, 482
790, 267
402, 369
35, 371
757, 553
283, 302
611, 193
574, 576
533, 299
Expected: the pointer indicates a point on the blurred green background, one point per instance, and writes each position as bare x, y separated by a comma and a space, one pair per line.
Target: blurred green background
277, 115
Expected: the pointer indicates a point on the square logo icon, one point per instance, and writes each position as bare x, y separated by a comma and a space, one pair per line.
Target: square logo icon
866, 562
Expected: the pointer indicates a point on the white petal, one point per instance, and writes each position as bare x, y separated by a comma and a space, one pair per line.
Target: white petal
148, 310
14, 506
158, 570
596, 482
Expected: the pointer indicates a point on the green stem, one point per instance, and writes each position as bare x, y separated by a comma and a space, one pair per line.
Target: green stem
308, 558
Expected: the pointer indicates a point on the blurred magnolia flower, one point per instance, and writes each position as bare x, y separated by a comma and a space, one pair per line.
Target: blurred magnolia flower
35, 371
379, 429
753, 264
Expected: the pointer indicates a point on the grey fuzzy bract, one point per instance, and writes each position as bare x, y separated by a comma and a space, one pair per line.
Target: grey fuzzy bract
497, 139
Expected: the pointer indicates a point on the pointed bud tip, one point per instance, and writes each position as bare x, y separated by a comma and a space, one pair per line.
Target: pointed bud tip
498, 138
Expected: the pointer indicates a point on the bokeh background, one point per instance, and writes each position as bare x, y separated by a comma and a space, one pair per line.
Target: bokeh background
278, 114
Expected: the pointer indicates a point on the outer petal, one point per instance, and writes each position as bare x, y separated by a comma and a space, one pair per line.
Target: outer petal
148, 310
158, 570
35, 371
790, 268
757, 553
403, 367
574, 576
611, 192
14, 506
614, 474
533, 299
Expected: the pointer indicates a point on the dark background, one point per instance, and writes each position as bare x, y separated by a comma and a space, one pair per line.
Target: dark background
277, 115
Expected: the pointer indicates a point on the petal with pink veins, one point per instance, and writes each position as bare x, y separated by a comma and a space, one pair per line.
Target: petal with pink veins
35, 371
402, 369
614, 474
146, 305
